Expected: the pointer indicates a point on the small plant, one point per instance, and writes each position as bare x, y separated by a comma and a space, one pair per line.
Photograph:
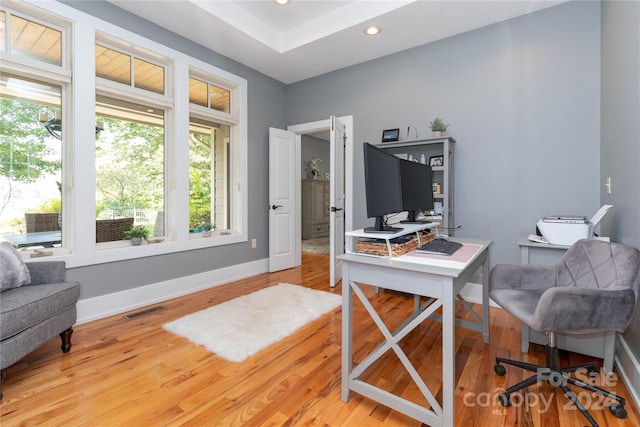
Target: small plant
137, 231
207, 226
437, 125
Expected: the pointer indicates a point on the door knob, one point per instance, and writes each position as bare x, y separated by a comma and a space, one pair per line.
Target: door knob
274, 207
334, 209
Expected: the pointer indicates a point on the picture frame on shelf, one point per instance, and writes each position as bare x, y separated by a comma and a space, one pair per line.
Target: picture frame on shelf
436, 161
390, 135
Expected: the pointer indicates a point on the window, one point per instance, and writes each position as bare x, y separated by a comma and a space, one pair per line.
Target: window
129, 168
30, 39
211, 153
31, 138
209, 95
148, 150
30, 163
208, 175
129, 70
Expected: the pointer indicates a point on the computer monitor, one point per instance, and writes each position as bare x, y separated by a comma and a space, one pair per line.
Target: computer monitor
383, 189
417, 189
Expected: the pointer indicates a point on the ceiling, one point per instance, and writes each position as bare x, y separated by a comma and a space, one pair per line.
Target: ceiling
306, 38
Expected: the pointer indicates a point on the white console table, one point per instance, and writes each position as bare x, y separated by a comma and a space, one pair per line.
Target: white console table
600, 345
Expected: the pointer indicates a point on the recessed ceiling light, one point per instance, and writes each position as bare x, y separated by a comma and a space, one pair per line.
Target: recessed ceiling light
282, 2
372, 30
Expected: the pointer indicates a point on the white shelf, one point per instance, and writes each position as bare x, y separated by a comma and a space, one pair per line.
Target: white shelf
443, 175
351, 236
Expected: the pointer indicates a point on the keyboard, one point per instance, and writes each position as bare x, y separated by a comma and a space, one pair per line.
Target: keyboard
439, 247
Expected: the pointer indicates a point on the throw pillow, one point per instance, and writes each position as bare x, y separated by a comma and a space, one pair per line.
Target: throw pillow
13, 270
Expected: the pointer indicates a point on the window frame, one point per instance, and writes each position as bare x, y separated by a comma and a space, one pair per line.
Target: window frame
79, 157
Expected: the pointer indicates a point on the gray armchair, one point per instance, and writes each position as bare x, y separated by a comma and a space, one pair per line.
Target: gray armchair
33, 313
594, 288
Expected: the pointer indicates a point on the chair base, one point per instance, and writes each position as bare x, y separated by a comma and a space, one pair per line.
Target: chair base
558, 377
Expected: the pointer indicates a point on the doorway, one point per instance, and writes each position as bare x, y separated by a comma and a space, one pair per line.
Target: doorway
315, 151
321, 129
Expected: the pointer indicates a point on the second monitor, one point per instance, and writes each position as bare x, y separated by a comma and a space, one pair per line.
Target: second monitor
417, 189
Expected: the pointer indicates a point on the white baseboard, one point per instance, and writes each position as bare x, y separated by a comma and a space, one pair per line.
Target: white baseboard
629, 368
119, 302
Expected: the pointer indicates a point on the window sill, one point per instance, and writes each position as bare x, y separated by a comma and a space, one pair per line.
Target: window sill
123, 250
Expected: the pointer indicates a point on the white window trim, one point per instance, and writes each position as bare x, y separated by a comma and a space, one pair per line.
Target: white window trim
81, 179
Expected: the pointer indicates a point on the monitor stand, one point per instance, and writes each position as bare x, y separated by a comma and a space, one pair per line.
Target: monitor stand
411, 219
382, 228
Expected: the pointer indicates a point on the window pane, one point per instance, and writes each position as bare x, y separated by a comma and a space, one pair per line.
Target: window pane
208, 175
3, 25
220, 99
35, 41
148, 76
198, 92
129, 168
113, 65
30, 163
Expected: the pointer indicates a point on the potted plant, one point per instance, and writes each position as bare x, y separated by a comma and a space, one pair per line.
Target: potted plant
136, 234
206, 229
437, 127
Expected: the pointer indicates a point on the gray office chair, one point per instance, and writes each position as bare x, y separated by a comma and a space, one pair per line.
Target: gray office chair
593, 288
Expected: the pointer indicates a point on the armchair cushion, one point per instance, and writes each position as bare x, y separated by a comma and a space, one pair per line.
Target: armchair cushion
13, 271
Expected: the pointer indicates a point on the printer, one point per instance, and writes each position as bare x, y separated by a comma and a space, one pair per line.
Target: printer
565, 230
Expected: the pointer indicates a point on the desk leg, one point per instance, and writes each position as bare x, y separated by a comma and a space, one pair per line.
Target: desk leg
347, 349
524, 255
485, 300
448, 359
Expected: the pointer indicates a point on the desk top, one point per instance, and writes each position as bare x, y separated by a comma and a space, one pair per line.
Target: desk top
523, 240
424, 264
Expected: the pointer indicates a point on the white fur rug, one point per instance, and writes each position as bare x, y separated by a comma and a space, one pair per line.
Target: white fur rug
239, 328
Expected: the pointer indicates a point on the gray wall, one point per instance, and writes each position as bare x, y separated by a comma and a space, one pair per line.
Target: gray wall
314, 148
620, 149
523, 102
263, 94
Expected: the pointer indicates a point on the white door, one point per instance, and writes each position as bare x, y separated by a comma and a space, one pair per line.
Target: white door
336, 222
282, 199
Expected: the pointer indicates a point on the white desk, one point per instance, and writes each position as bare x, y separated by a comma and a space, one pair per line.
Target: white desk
600, 345
441, 284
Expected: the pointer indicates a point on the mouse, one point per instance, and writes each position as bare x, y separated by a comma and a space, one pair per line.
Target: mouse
442, 237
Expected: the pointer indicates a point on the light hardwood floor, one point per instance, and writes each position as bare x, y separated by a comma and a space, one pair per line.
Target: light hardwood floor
133, 373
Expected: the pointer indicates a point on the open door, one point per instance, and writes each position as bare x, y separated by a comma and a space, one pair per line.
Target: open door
336, 221
282, 199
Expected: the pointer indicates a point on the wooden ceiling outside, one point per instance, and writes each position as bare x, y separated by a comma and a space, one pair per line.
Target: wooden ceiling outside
34, 40
44, 43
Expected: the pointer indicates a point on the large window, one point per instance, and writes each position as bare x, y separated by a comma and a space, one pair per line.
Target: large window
130, 153
106, 144
211, 148
31, 137
30, 162
129, 168
208, 175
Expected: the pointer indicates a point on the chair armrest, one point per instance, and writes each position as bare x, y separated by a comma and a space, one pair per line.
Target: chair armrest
522, 276
568, 309
47, 272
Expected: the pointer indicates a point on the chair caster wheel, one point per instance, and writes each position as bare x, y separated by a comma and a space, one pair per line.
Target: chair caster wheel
504, 400
618, 411
499, 370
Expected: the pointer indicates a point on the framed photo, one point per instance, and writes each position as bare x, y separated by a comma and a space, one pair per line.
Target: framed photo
390, 135
436, 161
